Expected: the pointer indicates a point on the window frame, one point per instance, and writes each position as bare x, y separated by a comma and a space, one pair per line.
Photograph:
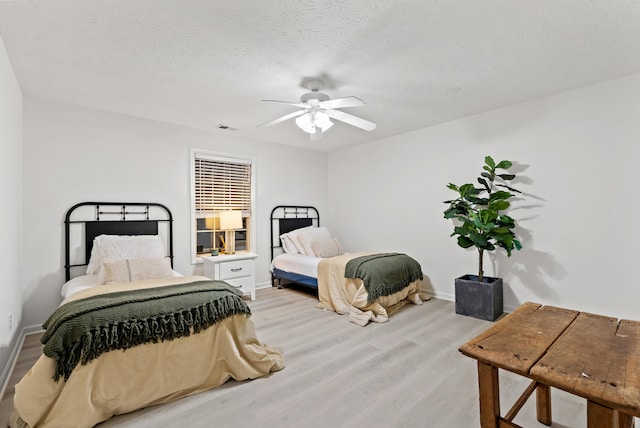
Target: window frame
221, 157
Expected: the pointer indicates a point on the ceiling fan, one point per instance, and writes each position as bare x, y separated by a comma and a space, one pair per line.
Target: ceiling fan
317, 110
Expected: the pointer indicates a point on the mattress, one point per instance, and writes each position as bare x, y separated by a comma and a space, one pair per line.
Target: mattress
297, 263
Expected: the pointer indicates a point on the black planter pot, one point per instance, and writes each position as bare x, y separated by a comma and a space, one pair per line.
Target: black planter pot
481, 300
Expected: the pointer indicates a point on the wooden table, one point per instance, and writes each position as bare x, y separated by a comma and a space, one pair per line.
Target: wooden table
591, 356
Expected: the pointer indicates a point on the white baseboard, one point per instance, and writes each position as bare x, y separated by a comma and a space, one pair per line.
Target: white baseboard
438, 295
443, 296
11, 362
32, 329
13, 356
266, 284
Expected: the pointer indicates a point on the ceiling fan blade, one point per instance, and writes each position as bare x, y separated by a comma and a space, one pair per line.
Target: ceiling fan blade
352, 120
342, 102
283, 118
303, 105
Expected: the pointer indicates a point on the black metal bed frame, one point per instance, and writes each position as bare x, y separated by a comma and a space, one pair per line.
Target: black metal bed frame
125, 225
288, 218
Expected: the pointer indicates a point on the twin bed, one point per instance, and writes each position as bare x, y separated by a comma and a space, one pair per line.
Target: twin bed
131, 332
303, 252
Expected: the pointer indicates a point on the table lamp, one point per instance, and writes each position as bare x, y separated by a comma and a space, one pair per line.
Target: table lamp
229, 222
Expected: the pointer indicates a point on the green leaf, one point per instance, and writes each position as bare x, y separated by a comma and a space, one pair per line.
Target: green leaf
478, 239
487, 216
506, 240
478, 201
464, 242
507, 176
517, 244
500, 230
459, 230
452, 187
506, 221
489, 161
466, 189
451, 212
500, 205
500, 195
505, 164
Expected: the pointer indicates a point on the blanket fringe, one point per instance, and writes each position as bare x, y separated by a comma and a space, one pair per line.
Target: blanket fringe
133, 332
390, 288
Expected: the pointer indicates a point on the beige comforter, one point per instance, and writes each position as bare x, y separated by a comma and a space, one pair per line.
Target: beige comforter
123, 381
347, 296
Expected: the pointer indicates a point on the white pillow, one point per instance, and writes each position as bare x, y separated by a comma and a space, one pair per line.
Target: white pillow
114, 271
122, 247
307, 236
293, 235
287, 244
118, 271
327, 248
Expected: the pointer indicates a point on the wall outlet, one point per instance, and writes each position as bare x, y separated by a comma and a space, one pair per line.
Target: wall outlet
10, 321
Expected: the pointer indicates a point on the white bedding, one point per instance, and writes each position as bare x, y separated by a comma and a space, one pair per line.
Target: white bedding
79, 283
297, 263
84, 282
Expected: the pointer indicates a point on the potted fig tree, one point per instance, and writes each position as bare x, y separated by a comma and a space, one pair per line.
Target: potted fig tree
481, 221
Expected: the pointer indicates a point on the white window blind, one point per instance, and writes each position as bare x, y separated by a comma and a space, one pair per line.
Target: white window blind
221, 184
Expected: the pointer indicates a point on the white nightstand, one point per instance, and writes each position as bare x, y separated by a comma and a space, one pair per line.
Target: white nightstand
236, 269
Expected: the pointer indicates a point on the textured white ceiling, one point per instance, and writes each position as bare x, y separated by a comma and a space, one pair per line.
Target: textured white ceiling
414, 62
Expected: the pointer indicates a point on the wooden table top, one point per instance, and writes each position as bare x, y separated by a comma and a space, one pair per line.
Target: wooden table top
592, 356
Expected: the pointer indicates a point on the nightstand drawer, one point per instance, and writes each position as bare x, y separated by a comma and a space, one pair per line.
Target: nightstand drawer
236, 269
244, 284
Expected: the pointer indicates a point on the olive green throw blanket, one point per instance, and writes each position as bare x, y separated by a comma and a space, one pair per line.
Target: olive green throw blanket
81, 330
384, 273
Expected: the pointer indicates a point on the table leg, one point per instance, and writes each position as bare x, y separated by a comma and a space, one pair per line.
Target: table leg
599, 416
543, 404
625, 421
489, 392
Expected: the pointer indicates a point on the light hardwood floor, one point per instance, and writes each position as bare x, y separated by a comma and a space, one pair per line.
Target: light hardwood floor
404, 373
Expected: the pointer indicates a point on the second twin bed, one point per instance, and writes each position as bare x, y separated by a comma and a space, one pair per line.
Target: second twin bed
366, 286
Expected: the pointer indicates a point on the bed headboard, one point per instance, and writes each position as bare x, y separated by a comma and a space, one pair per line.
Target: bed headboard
285, 218
86, 220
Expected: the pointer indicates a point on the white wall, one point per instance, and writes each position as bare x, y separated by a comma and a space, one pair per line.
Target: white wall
577, 155
11, 208
74, 154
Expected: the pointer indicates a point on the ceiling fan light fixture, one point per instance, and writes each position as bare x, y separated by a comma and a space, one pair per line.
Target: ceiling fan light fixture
322, 121
306, 123
310, 122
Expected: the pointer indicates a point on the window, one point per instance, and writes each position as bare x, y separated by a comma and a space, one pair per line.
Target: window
219, 183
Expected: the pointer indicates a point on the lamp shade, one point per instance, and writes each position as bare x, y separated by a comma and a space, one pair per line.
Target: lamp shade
230, 220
